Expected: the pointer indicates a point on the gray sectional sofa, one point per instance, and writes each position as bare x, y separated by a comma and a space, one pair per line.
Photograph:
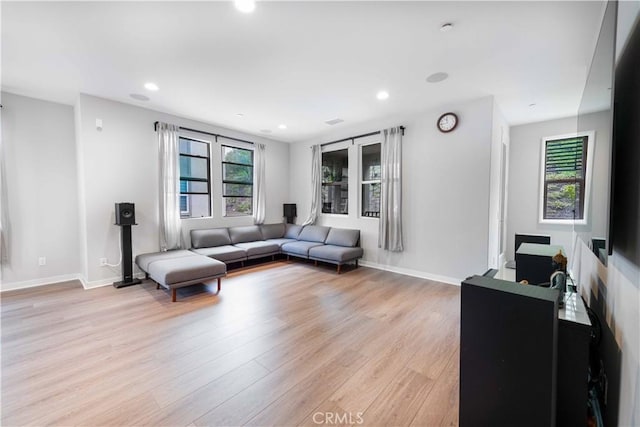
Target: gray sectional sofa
213, 248
236, 244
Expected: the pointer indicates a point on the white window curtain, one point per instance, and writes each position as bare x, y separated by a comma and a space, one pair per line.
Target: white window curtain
316, 182
390, 227
5, 225
170, 223
259, 193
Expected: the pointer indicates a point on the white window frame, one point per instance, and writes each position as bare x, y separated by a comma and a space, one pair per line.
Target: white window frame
361, 182
210, 143
591, 142
222, 141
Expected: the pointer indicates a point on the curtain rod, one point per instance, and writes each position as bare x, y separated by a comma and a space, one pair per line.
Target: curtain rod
351, 138
155, 127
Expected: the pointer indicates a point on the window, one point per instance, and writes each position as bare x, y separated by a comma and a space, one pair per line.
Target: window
237, 181
335, 182
195, 185
565, 178
370, 180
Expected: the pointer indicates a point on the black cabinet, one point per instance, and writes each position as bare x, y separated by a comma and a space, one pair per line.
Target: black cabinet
522, 361
508, 339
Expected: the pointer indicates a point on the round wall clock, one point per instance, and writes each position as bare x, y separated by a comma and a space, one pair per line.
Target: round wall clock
447, 122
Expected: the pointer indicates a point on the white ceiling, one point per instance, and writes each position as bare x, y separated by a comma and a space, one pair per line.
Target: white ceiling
301, 63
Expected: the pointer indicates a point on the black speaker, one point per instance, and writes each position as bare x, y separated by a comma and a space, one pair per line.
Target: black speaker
125, 214
125, 218
289, 212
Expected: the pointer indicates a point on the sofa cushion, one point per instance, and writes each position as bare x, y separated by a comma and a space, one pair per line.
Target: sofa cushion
343, 237
292, 231
334, 253
185, 269
299, 248
259, 248
250, 233
272, 231
314, 233
143, 260
281, 242
209, 237
226, 253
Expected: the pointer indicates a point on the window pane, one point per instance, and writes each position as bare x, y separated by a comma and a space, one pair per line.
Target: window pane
562, 199
565, 163
196, 148
335, 166
237, 155
335, 198
335, 182
238, 206
193, 167
195, 206
371, 162
237, 190
371, 200
237, 173
194, 187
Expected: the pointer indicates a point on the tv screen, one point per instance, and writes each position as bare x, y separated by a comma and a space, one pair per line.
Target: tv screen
625, 201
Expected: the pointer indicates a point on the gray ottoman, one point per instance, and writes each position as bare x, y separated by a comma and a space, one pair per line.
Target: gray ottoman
175, 269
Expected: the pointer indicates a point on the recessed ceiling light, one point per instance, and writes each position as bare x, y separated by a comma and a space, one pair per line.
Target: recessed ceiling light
239, 115
446, 27
382, 95
265, 130
437, 77
151, 86
245, 6
532, 105
139, 97
282, 126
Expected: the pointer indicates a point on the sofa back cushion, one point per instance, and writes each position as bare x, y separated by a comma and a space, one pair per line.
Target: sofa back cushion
272, 231
343, 237
314, 233
209, 237
292, 231
250, 233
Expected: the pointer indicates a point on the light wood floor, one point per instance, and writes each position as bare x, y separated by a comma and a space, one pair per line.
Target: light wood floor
285, 343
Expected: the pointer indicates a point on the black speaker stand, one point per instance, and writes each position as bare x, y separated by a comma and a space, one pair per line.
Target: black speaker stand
127, 261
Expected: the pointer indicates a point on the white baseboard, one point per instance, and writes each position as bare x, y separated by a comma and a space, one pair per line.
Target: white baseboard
412, 273
12, 286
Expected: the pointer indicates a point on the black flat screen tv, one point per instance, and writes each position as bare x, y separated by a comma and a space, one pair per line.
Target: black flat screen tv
624, 219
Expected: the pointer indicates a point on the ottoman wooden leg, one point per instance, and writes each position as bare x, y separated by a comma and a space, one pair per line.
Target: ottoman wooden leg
315, 262
157, 285
356, 263
219, 279
173, 295
339, 267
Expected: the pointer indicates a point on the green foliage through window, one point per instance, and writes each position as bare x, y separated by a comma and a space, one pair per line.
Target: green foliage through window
237, 181
564, 178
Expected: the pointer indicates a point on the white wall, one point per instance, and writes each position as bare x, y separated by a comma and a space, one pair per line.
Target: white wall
445, 193
120, 164
524, 179
39, 145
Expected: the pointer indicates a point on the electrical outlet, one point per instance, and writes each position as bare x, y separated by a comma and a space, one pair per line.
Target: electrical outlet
103, 262
42, 261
